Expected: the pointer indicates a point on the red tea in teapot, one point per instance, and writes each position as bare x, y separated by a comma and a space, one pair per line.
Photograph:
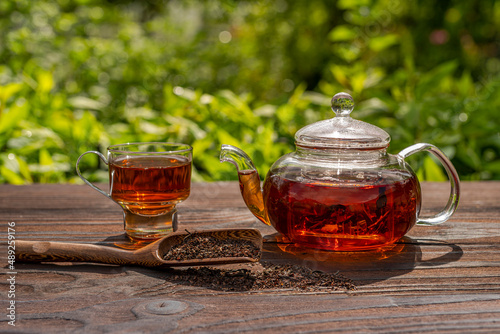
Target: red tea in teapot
342, 214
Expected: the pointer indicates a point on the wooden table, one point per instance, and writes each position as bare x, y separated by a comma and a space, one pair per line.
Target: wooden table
438, 279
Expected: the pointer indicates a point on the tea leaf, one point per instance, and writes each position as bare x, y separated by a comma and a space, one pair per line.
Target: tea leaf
432, 171
24, 170
342, 33
345, 4
10, 176
7, 91
381, 43
431, 81
10, 118
45, 82
45, 158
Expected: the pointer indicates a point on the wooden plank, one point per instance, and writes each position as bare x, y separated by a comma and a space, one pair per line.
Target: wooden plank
444, 278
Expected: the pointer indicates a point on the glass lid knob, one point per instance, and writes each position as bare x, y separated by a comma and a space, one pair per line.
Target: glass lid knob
342, 104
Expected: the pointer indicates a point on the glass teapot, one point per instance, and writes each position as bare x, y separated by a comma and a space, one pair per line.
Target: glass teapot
340, 190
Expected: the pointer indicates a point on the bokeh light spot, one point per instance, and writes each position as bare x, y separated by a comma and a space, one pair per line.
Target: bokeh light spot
225, 37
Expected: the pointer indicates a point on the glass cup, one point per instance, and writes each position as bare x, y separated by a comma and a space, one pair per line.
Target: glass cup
147, 180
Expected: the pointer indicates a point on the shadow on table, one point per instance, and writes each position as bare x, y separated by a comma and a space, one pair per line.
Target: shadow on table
364, 267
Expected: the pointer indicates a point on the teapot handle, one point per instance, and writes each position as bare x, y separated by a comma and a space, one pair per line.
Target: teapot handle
452, 204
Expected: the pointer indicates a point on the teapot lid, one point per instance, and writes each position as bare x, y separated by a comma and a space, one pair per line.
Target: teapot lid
342, 131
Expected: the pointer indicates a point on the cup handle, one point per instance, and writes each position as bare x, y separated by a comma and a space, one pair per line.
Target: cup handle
452, 204
103, 158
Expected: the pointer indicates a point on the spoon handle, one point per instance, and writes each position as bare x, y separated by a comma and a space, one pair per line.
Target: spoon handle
47, 251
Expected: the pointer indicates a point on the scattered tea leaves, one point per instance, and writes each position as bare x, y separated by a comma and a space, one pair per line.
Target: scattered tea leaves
250, 277
264, 276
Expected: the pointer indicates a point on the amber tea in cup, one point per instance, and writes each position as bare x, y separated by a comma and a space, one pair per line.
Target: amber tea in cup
147, 180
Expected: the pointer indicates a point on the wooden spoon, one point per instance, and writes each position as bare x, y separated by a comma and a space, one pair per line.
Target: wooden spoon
150, 255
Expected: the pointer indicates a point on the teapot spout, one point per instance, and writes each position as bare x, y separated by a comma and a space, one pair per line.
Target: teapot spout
237, 157
249, 180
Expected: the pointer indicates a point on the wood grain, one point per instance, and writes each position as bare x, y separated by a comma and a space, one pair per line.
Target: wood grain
437, 279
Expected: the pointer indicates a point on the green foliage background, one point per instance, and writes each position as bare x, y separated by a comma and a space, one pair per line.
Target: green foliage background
78, 75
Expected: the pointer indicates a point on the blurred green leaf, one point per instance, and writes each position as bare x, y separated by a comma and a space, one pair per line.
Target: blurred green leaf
346, 4
342, 33
10, 118
381, 43
7, 91
432, 80
10, 176
45, 158
45, 82
431, 171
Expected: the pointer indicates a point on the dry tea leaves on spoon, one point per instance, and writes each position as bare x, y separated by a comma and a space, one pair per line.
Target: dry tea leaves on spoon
199, 246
